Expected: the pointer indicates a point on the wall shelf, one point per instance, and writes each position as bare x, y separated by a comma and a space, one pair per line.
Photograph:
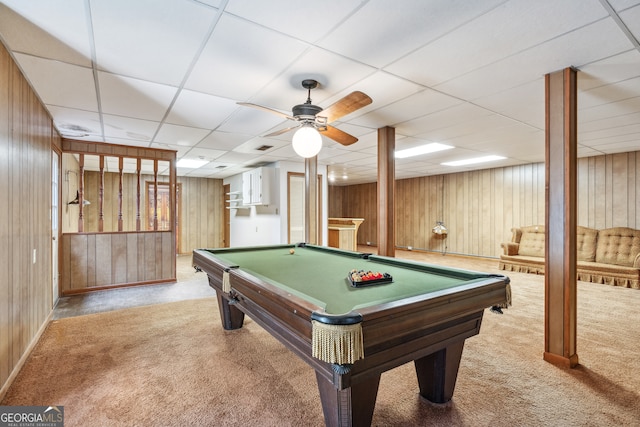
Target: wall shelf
235, 200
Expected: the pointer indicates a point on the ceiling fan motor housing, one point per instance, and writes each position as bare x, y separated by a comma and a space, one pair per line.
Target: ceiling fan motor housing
306, 111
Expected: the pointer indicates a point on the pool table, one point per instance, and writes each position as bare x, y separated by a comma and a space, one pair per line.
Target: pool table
302, 294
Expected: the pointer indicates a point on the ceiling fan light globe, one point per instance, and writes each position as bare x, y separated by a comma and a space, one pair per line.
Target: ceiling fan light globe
307, 142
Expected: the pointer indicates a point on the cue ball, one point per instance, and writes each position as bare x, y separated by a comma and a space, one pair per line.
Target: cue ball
291, 251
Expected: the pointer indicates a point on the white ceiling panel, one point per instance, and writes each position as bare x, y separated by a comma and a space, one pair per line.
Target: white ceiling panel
201, 110
75, 123
239, 59
406, 109
74, 88
128, 128
631, 18
582, 46
302, 18
135, 38
400, 28
610, 70
48, 30
498, 34
223, 140
180, 135
133, 97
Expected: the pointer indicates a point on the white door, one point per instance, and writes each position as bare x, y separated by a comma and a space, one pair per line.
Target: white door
55, 221
296, 208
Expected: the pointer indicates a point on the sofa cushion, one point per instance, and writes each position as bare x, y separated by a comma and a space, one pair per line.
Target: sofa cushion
586, 240
532, 241
618, 246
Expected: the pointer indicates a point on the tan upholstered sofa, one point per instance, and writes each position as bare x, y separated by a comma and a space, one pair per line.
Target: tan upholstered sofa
610, 256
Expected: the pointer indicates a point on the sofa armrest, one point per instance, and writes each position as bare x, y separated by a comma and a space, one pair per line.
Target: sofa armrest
510, 248
636, 261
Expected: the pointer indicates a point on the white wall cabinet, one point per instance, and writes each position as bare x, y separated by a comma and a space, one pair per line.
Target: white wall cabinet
257, 186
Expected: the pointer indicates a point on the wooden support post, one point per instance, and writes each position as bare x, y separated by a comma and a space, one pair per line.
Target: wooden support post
561, 214
101, 196
138, 194
386, 190
120, 168
311, 200
80, 193
173, 204
155, 195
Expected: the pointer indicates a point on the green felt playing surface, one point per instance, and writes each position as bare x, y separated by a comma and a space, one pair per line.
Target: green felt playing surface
320, 275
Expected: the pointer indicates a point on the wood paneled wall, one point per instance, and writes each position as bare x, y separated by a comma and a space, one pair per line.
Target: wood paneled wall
480, 207
26, 294
100, 260
202, 219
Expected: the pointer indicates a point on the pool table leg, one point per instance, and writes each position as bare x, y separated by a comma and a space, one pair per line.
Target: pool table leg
352, 406
437, 373
232, 317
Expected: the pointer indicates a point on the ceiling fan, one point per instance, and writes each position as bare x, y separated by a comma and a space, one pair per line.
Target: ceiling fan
308, 115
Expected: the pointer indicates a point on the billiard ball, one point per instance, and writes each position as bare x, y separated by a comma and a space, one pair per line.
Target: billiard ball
291, 251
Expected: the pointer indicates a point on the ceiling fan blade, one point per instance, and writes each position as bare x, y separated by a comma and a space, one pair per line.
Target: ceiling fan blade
267, 109
280, 132
339, 136
350, 103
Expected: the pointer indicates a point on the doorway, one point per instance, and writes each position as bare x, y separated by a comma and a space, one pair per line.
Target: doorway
295, 207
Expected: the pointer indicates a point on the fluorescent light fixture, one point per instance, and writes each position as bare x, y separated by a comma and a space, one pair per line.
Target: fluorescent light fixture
191, 163
422, 149
473, 161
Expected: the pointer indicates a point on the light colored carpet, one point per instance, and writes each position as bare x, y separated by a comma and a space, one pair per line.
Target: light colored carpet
172, 365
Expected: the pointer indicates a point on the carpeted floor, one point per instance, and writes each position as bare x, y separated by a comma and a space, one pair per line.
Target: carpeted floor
171, 364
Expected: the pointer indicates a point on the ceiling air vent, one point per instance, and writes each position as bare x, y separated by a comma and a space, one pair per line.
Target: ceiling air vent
258, 165
264, 147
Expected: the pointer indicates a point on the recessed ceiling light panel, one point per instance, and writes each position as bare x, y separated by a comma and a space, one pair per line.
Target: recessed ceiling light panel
473, 161
422, 149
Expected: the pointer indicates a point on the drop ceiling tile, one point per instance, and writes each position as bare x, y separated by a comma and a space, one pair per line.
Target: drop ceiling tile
417, 105
246, 120
135, 38
201, 110
583, 46
223, 140
60, 84
608, 123
126, 128
302, 19
608, 93
240, 58
610, 70
73, 123
630, 132
383, 31
133, 97
606, 111
631, 18
51, 31
441, 119
205, 153
524, 103
620, 5
502, 32
237, 158
180, 135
